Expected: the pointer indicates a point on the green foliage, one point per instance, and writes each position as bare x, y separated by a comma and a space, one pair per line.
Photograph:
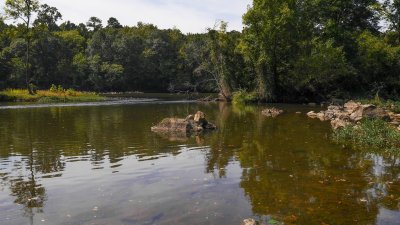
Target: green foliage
244, 97
370, 135
375, 55
56, 89
54, 94
48, 16
288, 51
320, 71
21, 9
266, 42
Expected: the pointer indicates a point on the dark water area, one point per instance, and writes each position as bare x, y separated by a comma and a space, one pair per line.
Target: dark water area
101, 164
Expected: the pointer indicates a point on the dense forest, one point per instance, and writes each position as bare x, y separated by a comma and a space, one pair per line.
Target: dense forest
289, 50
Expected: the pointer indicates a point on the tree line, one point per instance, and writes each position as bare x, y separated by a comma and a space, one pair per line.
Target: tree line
289, 50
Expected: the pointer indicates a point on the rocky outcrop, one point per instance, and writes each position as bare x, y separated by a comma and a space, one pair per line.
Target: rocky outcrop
192, 123
352, 113
272, 112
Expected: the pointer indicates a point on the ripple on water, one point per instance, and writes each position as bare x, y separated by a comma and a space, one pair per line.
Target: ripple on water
103, 103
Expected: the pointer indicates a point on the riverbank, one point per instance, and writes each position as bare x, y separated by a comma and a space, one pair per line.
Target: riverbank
46, 96
364, 125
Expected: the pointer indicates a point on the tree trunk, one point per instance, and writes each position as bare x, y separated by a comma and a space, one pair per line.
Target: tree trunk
28, 44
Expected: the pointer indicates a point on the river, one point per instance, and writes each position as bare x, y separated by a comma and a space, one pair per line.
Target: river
99, 163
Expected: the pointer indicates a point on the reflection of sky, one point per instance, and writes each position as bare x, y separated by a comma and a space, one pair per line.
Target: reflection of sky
189, 16
387, 217
8, 162
378, 186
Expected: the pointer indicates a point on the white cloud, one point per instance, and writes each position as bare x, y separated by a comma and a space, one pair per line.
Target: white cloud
187, 15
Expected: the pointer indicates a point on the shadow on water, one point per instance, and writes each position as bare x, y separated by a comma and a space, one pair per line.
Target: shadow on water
101, 164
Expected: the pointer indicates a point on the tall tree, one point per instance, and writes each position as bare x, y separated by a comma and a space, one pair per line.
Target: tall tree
94, 23
23, 10
113, 23
393, 16
217, 59
48, 16
268, 25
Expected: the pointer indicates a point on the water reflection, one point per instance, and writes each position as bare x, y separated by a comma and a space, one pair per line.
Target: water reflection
285, 169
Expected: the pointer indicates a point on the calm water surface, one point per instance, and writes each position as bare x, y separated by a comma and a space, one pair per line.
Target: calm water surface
100, 164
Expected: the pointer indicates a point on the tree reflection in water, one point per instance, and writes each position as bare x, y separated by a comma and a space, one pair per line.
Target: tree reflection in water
292, 172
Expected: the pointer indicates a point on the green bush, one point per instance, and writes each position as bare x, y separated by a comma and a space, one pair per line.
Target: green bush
244, 97
373, 134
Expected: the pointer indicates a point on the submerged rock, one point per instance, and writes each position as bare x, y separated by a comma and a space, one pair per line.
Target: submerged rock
272, 112
196, 123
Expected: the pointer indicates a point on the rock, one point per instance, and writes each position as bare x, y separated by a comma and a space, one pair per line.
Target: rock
329, 115
312, 115
200, 117
321, 116
334, 108
210, 126
351, 106
249, 222
353, 112
190, 117
370, 112
272, 112
312, 104
395, 123
196, 123
298, 112
394, 117
172, 125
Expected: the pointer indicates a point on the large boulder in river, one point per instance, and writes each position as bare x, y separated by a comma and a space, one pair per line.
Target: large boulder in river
196, 123
172, 125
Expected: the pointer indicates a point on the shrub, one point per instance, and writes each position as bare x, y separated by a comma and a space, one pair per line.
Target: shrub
244, 97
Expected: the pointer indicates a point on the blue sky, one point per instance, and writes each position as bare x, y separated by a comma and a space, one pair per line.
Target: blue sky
187, 15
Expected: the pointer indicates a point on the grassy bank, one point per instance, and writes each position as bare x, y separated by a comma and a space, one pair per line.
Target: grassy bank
370, 134
57, 94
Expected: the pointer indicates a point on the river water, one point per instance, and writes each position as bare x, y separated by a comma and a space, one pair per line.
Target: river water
99, 163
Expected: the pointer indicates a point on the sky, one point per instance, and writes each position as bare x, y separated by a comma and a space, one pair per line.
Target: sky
190, 16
